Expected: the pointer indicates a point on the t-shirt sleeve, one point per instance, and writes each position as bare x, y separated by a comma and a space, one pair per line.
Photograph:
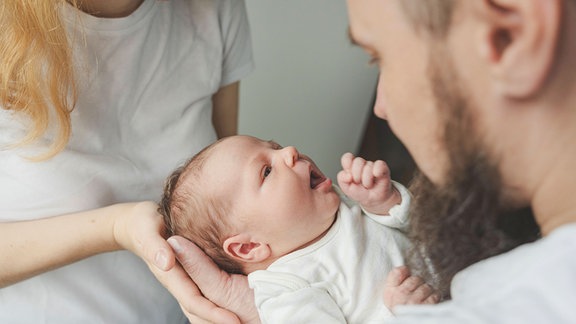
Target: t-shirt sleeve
235, 28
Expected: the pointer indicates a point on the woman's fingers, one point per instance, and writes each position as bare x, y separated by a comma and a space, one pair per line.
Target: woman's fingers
225, 290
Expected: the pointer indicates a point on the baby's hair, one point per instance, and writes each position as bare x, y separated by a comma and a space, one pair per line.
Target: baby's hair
195, 214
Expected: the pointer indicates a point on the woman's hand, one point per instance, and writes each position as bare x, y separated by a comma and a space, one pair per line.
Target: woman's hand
52, 242
218, 288
138, 227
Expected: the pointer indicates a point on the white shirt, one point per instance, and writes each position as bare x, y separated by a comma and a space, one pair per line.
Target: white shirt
340, 278
144, 107
534, 283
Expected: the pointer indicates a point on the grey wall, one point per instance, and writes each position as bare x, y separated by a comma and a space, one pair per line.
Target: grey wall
311, 87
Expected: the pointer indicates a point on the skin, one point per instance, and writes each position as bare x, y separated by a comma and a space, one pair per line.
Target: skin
516, 68
109, 8
54, 242
225, 110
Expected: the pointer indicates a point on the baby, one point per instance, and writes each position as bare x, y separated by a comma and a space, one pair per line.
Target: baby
312, 255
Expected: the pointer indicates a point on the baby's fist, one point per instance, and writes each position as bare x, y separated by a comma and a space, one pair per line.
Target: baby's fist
368, 183
358, 171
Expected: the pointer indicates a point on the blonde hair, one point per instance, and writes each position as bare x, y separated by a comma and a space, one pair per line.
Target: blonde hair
36, 71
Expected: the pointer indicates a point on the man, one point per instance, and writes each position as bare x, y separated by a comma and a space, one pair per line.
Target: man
482, 93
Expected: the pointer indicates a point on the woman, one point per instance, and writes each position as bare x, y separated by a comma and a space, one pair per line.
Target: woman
100, 100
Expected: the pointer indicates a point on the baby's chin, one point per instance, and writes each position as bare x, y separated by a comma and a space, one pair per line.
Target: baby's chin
335, 204
332, 196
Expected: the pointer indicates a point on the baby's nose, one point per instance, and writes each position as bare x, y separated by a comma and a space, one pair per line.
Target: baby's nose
290, 155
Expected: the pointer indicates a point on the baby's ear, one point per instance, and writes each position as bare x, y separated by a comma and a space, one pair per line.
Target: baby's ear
241, 248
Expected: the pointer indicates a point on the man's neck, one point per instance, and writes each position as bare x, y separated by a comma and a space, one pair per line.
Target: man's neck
109, 8
554, 196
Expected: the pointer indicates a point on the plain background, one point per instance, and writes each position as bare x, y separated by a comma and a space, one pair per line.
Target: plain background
311, 87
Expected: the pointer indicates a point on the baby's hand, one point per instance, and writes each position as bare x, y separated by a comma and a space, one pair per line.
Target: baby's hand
403, 289
368, 183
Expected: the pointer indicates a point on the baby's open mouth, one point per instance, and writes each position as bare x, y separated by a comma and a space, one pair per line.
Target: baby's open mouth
316, 178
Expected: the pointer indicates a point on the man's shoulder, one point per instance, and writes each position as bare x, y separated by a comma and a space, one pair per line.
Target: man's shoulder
530, 284
544, 265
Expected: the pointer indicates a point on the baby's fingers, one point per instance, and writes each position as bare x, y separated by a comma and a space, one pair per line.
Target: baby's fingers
361, 172
380, 169
357, 169
344, 178
432, 299
346, 161
368, 175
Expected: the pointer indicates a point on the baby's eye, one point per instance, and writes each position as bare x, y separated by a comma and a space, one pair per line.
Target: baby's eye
267, 171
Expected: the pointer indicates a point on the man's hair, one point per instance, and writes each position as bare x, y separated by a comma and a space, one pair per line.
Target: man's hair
192, 212
431, 16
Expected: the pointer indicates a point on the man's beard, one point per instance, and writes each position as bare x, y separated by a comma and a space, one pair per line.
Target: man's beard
467, 218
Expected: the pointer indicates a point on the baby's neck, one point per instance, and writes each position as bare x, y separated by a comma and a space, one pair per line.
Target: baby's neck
248, 268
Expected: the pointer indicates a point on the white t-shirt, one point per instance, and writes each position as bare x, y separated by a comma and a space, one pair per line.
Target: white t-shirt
339, 278
534, 283
144, 107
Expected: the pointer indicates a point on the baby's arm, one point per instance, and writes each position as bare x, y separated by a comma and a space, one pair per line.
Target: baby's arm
368, 183
287, 298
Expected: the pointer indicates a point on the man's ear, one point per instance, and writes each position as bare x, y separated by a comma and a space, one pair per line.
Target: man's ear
241, 248
519, 41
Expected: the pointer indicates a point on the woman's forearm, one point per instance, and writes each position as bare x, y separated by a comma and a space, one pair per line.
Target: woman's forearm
29, 248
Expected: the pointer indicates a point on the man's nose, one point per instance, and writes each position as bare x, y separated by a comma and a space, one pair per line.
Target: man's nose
380, 104
290, 155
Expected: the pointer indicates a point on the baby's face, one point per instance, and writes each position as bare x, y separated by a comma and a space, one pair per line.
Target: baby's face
279, 197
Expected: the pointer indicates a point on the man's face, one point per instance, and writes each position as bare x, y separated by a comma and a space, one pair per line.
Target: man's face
278, 196
404, 95
459, 215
